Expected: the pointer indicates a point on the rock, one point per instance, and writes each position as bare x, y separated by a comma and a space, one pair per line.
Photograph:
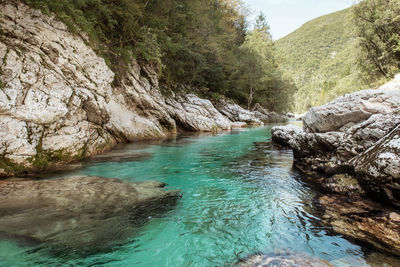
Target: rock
343, 184
82, 214
283, 134
268, 117
353, 143
353, 108
286, 259
299, 117
331, 152
236, 113
378, 168
363, 220
290, 115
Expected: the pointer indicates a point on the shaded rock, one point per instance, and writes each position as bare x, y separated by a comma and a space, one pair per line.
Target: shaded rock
236, 113
353, 108
290, 115
378, 168
282, 259
267, 116
343, 184
363, 220
83, 214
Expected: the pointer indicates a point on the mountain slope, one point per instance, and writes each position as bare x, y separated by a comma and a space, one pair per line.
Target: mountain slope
321, 59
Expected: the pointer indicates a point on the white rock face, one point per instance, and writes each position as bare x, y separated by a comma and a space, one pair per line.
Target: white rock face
197, 114
57, 102
379, 167
354, 108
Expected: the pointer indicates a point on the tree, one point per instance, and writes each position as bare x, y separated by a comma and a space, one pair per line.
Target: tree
378, 29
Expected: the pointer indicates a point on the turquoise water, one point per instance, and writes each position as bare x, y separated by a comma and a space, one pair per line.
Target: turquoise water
239, 197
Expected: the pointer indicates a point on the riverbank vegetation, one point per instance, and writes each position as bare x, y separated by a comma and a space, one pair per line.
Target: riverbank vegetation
202, 44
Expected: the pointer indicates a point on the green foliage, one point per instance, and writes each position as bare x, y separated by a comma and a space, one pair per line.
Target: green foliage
257, 73
320, 57
195, 43
378, 28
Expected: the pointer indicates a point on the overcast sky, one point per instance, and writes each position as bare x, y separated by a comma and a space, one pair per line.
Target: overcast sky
285, 16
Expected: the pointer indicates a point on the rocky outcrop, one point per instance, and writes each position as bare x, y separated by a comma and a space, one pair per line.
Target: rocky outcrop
59, 101
335, 151
353, 108
365, 221
81, 214
236, 113
283, 134
351, 147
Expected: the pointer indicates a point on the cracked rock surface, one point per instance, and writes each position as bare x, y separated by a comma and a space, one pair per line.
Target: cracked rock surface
58, 102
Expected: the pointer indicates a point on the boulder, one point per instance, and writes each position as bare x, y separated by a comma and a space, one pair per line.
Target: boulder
353, 108
82, 214
236, 113
283, 134
331, 152
196, 114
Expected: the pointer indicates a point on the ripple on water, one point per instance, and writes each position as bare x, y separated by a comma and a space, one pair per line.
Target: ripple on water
240, 197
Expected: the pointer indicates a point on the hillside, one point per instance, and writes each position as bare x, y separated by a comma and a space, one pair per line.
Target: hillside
321, 59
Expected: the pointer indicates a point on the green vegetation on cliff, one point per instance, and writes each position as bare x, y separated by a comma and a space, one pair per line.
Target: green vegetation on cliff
196, 43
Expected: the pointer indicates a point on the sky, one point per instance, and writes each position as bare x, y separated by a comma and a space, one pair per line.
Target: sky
285, 16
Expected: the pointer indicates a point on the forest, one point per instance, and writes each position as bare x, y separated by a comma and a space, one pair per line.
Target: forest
207, 46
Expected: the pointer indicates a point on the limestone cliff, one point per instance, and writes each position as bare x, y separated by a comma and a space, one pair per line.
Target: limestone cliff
58, 102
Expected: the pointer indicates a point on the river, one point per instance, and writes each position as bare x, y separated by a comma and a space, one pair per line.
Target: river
240, 196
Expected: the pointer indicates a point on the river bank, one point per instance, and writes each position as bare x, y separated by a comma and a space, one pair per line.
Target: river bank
349, 147
59, 101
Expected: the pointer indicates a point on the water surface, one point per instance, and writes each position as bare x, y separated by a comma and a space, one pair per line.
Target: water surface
240, 196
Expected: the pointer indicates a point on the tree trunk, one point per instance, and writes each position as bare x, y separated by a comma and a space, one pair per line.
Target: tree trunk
250, 100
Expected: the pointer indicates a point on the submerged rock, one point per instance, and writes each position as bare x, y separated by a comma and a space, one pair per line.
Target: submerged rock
81, 214
121, 156
282, 259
